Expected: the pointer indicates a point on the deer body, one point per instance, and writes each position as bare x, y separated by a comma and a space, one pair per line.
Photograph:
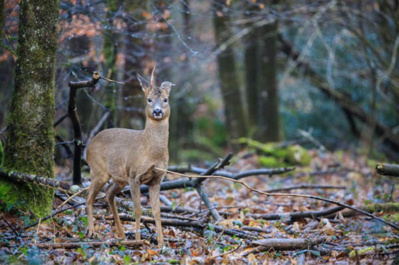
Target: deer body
131, 157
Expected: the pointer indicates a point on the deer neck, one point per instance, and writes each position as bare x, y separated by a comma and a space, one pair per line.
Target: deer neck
157, 135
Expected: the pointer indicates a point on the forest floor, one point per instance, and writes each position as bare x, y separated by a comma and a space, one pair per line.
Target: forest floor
248, 233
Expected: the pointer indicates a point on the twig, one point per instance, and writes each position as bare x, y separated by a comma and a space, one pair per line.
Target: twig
98, 126
64, 144
111, 81
2, 130
12, 228
304, 186
70, 198
287, 195
60, 119
229, 252
217, 239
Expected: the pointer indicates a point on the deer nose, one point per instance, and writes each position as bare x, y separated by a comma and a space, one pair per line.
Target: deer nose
157, 112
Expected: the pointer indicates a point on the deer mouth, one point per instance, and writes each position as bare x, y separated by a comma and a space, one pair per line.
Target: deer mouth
157, 116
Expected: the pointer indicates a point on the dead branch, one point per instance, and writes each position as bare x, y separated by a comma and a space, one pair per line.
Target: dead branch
164, 221
297, 215
192, 224
240, 175
388, 170
304, 186
95, 244
282, 244
290, 195
62, 142
77, 127
389, 207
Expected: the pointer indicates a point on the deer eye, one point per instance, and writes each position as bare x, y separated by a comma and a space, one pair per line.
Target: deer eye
165, 100
149, 100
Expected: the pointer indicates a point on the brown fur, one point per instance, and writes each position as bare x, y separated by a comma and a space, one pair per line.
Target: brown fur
130, 157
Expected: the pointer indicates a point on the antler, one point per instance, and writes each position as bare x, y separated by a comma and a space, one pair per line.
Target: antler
152, 77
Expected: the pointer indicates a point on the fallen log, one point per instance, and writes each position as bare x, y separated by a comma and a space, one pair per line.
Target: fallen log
95, 244
282, 244
296, 215
387, 170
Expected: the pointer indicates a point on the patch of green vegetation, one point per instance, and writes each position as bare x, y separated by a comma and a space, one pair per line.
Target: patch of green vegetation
393, 218
194, 155
275, 155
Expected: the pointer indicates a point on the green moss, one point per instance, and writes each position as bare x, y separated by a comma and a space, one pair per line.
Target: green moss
268, 161
382, 207
297, 155
363, 251
282, 156
392, 217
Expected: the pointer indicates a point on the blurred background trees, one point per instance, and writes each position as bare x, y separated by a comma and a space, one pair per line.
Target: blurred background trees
253, 68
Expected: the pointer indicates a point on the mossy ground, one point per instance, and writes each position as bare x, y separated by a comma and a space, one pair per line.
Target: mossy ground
273, 155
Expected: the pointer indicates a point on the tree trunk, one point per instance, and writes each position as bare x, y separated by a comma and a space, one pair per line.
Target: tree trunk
111, 45
135, 56
30, 142
182, 126
267, 91
261, 83
229, 81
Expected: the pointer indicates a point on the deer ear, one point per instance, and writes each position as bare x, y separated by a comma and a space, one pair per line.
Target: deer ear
167, 86
145, 85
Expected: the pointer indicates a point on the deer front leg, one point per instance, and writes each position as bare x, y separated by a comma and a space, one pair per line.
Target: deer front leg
135, 192
97, 182
154, 190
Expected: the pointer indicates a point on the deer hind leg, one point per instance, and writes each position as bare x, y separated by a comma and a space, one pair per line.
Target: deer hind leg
114, 189
135, 192
154, 190
98, 180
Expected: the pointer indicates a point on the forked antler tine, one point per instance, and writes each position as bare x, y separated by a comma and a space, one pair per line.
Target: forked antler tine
152, 76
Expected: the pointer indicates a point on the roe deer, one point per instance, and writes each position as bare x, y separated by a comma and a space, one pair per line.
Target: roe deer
131, 157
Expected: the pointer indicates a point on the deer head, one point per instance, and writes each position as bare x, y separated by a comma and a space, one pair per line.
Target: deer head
157, 107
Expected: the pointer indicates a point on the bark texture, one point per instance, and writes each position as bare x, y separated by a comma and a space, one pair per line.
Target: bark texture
30, 143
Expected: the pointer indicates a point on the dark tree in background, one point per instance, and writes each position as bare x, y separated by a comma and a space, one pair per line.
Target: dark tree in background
30, 141
236, 124
261, 78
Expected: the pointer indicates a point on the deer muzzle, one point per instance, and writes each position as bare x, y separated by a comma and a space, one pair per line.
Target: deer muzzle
157, 113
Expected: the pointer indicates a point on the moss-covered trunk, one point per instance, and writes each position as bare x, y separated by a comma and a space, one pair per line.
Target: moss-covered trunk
30, 142
229, 81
